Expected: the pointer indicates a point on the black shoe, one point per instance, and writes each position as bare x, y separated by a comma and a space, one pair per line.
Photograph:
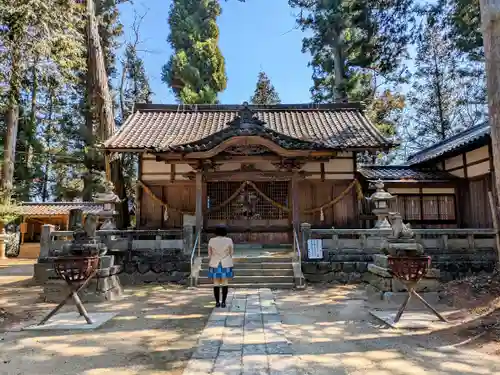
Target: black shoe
217, 304
223, 305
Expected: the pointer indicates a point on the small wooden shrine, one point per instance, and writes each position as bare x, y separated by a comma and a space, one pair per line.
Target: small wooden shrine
259, 170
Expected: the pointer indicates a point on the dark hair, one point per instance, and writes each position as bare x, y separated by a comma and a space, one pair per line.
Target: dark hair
220, 231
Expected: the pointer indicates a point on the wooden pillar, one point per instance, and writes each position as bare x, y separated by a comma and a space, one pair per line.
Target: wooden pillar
295, 202
199, 200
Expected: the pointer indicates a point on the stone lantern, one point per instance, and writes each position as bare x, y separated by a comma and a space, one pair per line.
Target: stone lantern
109, 200
381, 200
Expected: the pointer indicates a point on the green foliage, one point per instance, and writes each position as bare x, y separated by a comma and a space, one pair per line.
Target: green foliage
354, 45
10, 210
196, 71
441, 97
265, 93
464, 19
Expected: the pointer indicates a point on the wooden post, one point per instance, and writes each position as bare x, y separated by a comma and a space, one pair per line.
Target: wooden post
490, 19
495, 224
199, 200
295, 203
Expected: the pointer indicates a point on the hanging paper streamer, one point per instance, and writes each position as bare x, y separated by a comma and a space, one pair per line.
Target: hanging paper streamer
165, 214
321, 216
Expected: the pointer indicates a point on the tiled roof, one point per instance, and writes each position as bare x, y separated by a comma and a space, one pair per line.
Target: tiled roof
196, 128
451, 144
403, 173
58, 208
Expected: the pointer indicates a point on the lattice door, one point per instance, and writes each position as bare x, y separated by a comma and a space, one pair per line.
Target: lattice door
244, 209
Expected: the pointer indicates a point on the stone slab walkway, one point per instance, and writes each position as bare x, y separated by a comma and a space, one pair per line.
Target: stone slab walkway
246, 338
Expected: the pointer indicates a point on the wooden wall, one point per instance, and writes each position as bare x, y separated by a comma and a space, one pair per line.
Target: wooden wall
469, 164
179, 195
315, 193
323, 182
474, 167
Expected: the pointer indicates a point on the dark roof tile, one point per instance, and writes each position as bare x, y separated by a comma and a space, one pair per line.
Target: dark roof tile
171, 127
403, 173
58, 208
451, 144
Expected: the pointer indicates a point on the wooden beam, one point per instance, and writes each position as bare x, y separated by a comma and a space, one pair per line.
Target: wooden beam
295, 202
199, 200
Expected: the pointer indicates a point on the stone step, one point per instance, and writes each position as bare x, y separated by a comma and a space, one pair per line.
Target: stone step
253, 286
253, 280
257, 272
263, 259
245, 266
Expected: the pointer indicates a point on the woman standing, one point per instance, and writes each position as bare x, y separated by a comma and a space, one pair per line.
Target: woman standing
220, 266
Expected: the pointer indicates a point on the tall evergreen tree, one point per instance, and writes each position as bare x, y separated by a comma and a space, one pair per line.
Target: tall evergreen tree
34, 34
354, 45
265, 93
196, 71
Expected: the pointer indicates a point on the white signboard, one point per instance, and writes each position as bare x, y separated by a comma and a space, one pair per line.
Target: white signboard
189, 220
315, 249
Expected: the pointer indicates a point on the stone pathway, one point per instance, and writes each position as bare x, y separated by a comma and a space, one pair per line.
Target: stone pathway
246, 338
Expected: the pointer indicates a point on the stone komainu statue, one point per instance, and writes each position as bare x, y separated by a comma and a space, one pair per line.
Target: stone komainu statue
399, 229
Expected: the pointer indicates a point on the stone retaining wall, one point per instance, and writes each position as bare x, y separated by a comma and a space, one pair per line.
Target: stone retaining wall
351, 265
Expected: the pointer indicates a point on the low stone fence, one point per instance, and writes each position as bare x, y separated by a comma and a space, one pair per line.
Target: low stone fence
137, 256
346, 253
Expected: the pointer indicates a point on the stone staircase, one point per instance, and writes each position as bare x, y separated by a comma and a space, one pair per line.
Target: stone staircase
258, 268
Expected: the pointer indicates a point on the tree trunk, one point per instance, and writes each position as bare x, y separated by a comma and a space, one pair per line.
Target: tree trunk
12, 124
48, 138
490, 19
104, 109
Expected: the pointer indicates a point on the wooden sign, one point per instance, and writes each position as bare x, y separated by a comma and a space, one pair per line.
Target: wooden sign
23, 228
315, 249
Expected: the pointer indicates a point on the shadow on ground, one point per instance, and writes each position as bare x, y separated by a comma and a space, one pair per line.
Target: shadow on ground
155, 332
333, 333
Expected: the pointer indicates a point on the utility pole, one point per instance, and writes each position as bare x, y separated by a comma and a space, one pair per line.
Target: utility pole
490, 22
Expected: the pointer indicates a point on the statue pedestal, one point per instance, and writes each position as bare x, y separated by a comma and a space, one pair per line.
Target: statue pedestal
105, 286
379, 276
382, 287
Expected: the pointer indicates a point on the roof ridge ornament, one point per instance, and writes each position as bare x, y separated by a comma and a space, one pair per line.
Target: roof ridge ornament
246, 114
246, 119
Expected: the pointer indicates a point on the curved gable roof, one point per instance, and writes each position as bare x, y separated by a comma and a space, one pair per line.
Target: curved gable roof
163, 128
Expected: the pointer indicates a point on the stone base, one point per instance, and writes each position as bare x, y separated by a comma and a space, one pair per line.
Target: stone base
105, 286
381, 279
410, 320
98, 290
73, 320
152, 277
343, 272
382, 299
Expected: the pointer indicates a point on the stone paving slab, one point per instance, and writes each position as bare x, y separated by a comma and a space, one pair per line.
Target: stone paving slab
73, 321
246, 338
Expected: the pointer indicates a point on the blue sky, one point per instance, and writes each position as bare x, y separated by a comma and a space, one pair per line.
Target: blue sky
258, 34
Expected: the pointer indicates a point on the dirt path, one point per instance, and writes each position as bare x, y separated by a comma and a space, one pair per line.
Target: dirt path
332, 333
154, 333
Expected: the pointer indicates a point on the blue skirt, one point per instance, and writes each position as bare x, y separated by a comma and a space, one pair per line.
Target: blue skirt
220, 272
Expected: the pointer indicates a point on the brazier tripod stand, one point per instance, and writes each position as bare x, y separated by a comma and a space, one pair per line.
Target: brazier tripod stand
409, 270
77, 272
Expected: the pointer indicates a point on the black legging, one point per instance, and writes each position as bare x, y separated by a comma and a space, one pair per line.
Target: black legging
225, 290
